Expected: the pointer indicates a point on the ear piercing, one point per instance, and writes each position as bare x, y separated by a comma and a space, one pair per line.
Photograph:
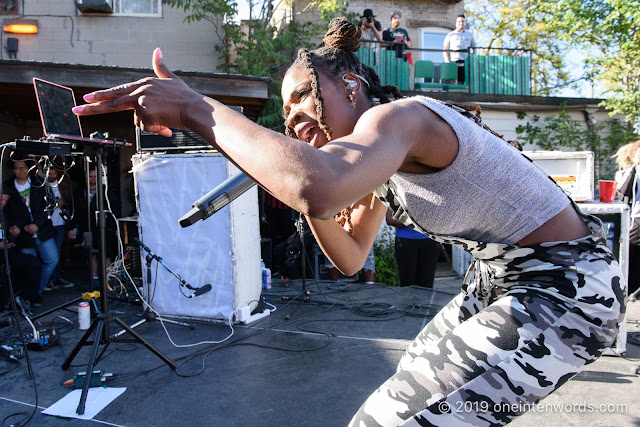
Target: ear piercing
351, 99
351, 84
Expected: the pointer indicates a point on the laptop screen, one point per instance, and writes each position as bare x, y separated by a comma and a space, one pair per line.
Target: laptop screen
55, 103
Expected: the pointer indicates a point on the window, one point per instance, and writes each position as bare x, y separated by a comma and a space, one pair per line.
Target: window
137, 7
8, 7
432, 38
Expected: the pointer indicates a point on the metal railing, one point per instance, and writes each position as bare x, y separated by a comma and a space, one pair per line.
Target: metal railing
497, 71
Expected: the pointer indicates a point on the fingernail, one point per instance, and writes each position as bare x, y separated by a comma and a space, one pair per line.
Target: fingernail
89, 97
159, 53
78, 109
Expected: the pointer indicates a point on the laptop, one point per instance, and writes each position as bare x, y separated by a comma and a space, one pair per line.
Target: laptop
55, 103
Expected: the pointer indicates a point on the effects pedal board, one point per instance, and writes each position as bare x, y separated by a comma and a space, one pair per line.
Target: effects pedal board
46, 339
11, 351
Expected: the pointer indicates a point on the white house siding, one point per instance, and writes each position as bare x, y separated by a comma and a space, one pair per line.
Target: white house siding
505, 121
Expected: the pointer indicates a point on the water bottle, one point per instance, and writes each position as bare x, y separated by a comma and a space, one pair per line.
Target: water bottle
267, 272
84, 316
266, 276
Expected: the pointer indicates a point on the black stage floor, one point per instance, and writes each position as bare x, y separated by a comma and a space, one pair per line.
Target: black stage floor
313, 366
309, 364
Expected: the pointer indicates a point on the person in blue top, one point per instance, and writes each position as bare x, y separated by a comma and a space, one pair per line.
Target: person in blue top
416, 255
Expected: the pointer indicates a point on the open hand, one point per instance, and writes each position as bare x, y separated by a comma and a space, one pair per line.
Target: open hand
159, 103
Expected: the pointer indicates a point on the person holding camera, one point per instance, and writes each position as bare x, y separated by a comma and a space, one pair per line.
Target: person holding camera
371, 29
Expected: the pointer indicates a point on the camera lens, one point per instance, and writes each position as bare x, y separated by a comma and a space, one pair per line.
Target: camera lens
369, 19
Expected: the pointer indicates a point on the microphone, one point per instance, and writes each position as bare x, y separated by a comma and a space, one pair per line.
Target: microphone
217, 198
199, 291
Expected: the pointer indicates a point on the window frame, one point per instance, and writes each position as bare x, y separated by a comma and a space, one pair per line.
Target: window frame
118, 3
435, 31
14, 11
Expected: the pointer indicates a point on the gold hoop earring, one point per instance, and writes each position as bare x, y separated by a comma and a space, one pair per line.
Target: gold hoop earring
351, 99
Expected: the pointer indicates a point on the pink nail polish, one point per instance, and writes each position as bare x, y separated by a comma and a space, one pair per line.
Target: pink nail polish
78, 109
89, 97
159, 53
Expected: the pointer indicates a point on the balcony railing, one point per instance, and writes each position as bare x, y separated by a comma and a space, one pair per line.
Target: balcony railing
487, 70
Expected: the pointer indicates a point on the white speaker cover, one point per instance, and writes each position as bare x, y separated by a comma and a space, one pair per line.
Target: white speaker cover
223, 250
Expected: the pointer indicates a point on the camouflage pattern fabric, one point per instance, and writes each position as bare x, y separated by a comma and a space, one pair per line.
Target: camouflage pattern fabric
526, 321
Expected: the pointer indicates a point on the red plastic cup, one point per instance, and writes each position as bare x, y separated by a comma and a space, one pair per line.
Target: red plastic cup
607, 191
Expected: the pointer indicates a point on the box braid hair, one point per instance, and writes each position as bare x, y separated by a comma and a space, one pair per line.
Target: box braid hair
335, 57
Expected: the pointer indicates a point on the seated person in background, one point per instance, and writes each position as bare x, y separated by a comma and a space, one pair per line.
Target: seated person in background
399, 37
30, 227
25, 268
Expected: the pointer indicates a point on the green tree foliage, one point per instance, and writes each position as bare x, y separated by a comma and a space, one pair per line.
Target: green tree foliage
612, 29
561, 133
385, 258
506, 24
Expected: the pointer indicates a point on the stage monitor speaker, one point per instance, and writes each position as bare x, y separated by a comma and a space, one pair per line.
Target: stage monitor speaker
223, 251
181, 141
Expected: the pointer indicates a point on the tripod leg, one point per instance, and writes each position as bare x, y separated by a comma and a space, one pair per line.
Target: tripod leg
141, 340
90, 366
81, 343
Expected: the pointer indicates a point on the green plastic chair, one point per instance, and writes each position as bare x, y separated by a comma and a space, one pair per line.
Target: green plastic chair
426, 70
449, 71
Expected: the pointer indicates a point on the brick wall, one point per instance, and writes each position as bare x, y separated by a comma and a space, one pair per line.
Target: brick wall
66, 36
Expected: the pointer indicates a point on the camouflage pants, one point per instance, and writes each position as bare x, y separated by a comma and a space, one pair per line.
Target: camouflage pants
526, 321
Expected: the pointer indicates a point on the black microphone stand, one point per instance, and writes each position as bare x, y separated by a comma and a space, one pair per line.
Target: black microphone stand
149, 315
304, 295
101, 323
152, 256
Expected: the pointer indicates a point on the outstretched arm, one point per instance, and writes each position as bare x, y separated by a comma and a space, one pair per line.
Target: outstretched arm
319, 182
316, 182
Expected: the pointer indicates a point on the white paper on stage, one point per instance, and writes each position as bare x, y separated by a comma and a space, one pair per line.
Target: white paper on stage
223, 250
97, 399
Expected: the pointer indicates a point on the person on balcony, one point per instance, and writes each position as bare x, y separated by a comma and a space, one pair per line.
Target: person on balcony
371, 35
546, 295
397, 36
456, 45
371, 28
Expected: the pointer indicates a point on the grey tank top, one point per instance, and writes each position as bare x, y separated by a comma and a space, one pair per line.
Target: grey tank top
490, 193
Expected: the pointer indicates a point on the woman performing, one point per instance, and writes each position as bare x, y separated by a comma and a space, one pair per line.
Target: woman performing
544, 297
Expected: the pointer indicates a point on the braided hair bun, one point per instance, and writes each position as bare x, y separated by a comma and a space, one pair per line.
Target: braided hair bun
343, 34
